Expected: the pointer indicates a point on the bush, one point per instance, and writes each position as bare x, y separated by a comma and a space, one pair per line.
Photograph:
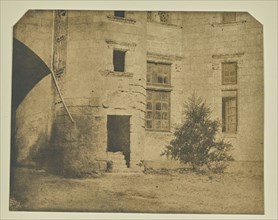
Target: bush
195, 140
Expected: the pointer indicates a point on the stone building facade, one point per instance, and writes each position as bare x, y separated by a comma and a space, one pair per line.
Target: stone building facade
124, 76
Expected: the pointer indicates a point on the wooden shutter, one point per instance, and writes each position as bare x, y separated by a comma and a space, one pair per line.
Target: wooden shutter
229, 73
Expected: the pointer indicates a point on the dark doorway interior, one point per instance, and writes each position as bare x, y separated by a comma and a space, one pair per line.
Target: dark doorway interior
118, 128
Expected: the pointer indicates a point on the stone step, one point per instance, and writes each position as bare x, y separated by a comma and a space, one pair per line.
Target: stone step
115, 155
126, 170
116, 158
119, 162
115, 165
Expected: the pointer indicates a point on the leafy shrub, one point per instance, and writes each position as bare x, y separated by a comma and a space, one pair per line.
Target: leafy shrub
195, 140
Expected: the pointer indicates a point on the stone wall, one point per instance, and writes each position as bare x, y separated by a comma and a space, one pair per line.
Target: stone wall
203, 43
164, 44
91, 83
34, 115
194, 43
207, 43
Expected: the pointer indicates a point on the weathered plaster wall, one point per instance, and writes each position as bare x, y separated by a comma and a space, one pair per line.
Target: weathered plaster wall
207, 43
164, 44
90, 85
33, 116
195, 44
204, 42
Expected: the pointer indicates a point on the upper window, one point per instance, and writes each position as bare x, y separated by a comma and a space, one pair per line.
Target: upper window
159, 16
229, 73
119, 60
228, 17
158, 73
119, 14
163, 16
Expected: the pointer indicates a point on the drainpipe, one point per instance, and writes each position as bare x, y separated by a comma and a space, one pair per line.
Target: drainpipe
51, 69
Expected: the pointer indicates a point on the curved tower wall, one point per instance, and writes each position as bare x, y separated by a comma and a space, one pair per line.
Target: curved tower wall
91, 88
34, 115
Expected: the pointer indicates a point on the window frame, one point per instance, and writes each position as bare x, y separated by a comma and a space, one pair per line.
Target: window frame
151, 74
122, 52
223, 77
119, 14
225, 122
160, 15
157, 16
156, 88
154, 111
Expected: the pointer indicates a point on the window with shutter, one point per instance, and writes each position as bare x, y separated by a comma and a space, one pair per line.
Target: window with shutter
229, 114
229, 73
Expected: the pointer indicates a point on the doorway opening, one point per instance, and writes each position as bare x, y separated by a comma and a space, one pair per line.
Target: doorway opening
118, 135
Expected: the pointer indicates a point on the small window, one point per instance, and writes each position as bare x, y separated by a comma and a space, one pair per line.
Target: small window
119, 60
229, 115
158, 73
163, 16
229, 73
228, 17
119, 14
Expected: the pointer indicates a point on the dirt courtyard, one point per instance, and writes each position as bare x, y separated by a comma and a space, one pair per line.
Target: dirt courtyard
171, 192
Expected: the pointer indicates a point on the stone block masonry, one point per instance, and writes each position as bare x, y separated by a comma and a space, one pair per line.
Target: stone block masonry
188, 48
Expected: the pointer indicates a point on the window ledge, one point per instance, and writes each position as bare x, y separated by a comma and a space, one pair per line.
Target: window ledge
229, 87
166, 24
217, 24
115, 73
160, 87
121, 19
224, 56
158, 131
229, 135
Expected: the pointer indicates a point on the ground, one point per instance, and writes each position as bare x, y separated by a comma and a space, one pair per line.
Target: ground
153, 192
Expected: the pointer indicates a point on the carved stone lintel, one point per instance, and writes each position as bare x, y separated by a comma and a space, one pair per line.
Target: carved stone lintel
120, 19
231, 55
217, 24
163, 57
159, 88
121, 45
116, 74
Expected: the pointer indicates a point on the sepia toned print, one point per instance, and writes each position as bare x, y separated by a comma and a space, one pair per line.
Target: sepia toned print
145, 112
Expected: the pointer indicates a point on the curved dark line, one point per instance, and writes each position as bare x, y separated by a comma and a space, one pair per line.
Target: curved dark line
27, 70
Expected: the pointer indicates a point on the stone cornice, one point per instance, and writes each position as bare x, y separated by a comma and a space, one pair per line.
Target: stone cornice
120, 19
156, 57
231, 55
120, 45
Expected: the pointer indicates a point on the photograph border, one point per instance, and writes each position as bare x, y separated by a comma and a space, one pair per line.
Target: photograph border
263, 11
